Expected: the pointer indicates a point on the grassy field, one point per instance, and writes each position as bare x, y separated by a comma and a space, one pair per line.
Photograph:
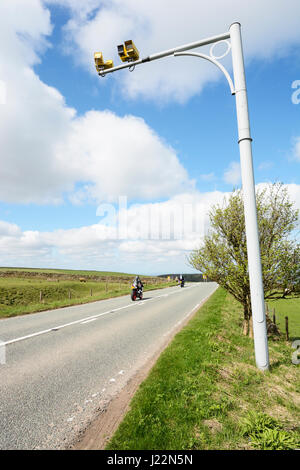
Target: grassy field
215, 397
66, 271
26, 293
289, 307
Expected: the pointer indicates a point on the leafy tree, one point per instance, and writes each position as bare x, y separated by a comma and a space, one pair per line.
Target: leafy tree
223, 254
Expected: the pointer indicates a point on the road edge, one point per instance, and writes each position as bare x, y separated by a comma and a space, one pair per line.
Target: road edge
101, 429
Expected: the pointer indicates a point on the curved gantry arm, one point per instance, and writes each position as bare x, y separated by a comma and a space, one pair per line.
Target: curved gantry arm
214, 61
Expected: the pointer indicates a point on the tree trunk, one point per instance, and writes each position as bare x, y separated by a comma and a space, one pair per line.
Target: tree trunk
245, 327
246, 321
251, 327
247, 324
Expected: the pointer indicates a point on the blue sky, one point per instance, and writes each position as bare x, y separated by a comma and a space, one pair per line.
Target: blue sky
165, 134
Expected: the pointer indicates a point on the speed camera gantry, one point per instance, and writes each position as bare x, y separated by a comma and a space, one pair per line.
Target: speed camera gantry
127, 52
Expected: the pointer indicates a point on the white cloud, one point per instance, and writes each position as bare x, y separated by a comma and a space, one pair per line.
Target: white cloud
98, 246
294, 193
46, 148
34, 116
122, 156
269, 28
233, 174
2, 92
9, 230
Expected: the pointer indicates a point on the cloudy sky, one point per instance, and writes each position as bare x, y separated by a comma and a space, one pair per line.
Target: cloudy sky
118, 173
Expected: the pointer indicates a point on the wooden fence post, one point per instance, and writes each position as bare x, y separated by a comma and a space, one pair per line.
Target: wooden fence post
91, 292
41, 295
69, 293
287, 328
274, 316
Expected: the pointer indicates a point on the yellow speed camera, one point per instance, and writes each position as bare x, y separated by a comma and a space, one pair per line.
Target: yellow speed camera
123, 53
132, 50
128, 52
100, 64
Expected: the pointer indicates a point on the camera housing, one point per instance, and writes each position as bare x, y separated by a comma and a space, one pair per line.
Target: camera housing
132, 50
100, 64
128, 51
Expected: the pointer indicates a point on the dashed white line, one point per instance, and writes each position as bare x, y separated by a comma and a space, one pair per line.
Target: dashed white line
88, 321
57, 328
84, 320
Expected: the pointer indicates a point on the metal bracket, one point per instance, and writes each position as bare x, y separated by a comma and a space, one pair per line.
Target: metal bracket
220, 56
214, 61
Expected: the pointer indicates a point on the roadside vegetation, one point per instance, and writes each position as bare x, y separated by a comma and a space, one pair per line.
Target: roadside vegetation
29, 290
222, 257
215, 397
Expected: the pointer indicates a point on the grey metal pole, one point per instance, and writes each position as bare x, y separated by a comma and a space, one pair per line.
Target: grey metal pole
252, 234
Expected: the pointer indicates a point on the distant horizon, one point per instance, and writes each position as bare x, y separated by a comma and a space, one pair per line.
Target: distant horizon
100, 271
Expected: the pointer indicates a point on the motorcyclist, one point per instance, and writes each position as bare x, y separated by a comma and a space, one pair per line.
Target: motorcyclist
181, 279
138, 283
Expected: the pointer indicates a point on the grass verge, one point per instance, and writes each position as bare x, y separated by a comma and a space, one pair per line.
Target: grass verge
289, 307
206, 393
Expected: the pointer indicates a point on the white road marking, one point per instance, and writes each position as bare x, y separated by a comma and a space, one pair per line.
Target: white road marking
82, 320
56, 328
88, 321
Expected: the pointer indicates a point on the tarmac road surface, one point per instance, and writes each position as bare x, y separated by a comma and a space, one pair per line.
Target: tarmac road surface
64, 365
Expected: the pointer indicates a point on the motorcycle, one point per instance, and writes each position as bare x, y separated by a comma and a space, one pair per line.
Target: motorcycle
182, 283
136, 292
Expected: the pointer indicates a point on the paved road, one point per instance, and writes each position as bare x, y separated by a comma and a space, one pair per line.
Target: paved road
64, 365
